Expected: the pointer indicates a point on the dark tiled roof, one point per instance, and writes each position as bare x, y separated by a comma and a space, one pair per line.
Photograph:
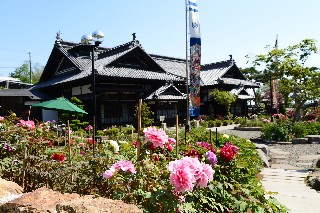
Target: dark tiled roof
19, 93
237, 90
234, 81
210, 73
62, 79
159, 93
171, 65
124, 72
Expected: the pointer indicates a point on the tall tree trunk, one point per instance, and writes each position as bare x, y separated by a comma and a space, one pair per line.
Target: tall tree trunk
256, 100
297, 115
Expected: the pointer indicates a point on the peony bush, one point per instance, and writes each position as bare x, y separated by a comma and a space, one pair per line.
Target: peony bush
205, 176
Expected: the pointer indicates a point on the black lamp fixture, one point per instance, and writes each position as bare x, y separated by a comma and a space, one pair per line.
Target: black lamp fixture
92, 42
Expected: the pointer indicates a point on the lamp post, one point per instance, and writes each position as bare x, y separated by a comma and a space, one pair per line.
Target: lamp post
93, 41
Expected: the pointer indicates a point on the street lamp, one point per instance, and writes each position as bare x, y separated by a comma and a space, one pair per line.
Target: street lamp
93, 41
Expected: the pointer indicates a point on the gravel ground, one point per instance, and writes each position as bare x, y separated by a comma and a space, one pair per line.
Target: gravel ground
295, 150
242, 134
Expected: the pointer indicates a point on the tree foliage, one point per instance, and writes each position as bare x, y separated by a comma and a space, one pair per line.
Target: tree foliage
23, 73
223, 98
146, 115
77, 121
296, 80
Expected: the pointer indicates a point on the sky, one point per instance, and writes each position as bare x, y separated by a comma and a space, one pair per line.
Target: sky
231, 27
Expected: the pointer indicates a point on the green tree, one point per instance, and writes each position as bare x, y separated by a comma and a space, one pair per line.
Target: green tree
223, 98
21, 73
76, 120
36, 73
146, 115
296, 80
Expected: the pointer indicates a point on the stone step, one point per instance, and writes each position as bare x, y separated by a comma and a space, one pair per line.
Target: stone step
308, 164
278, 152
291, 189
308, 157
285, 166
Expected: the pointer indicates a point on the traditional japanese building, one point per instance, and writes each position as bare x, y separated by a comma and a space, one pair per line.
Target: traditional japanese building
126, 73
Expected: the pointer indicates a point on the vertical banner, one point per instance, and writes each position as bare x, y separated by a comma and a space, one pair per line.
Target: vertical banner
195, 58
275, 92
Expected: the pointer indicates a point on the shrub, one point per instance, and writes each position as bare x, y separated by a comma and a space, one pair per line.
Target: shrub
113, 133
225, 122
276, 131
151, 182
211, 123
299, 129
218, 122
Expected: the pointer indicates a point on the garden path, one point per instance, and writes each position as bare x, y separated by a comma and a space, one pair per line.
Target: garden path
291, 189
289, 169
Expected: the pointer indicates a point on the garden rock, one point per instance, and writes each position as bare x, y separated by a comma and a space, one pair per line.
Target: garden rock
317, 163
45, 200
89, 204
9, 188
39, 201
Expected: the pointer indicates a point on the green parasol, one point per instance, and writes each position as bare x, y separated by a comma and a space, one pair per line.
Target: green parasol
60, 104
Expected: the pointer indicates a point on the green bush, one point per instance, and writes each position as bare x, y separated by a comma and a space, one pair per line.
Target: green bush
218, 122
225, 122
211, 123
234, 187
276, 131
313, 128
113, 133
299, 129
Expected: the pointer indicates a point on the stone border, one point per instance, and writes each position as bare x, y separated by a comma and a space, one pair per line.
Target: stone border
248, 128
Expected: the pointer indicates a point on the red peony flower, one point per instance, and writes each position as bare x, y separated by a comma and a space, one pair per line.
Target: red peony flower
228, 152
58, 157
156, 158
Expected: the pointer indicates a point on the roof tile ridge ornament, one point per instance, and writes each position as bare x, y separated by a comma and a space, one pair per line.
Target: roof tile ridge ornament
218, 64
58, 38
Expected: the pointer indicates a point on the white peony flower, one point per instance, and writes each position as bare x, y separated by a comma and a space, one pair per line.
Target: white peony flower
225, 136
115, 145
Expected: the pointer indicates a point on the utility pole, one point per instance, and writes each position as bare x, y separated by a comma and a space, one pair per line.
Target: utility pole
30, 70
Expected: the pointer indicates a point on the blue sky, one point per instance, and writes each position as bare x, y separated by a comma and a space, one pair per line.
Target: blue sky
227, 27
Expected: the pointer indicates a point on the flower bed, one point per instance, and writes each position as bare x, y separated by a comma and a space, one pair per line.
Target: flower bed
191, 175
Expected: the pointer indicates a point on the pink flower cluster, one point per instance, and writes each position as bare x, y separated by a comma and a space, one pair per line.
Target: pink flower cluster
27, 124
157, 137
206, 145
89, 127
1, 118
228, 152
123, 165
189, 172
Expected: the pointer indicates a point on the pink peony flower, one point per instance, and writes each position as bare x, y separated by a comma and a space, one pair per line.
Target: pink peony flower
205, 175
109, 173
27, 124
157, 137
124, 165
89, 128
188, 172
1, 118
